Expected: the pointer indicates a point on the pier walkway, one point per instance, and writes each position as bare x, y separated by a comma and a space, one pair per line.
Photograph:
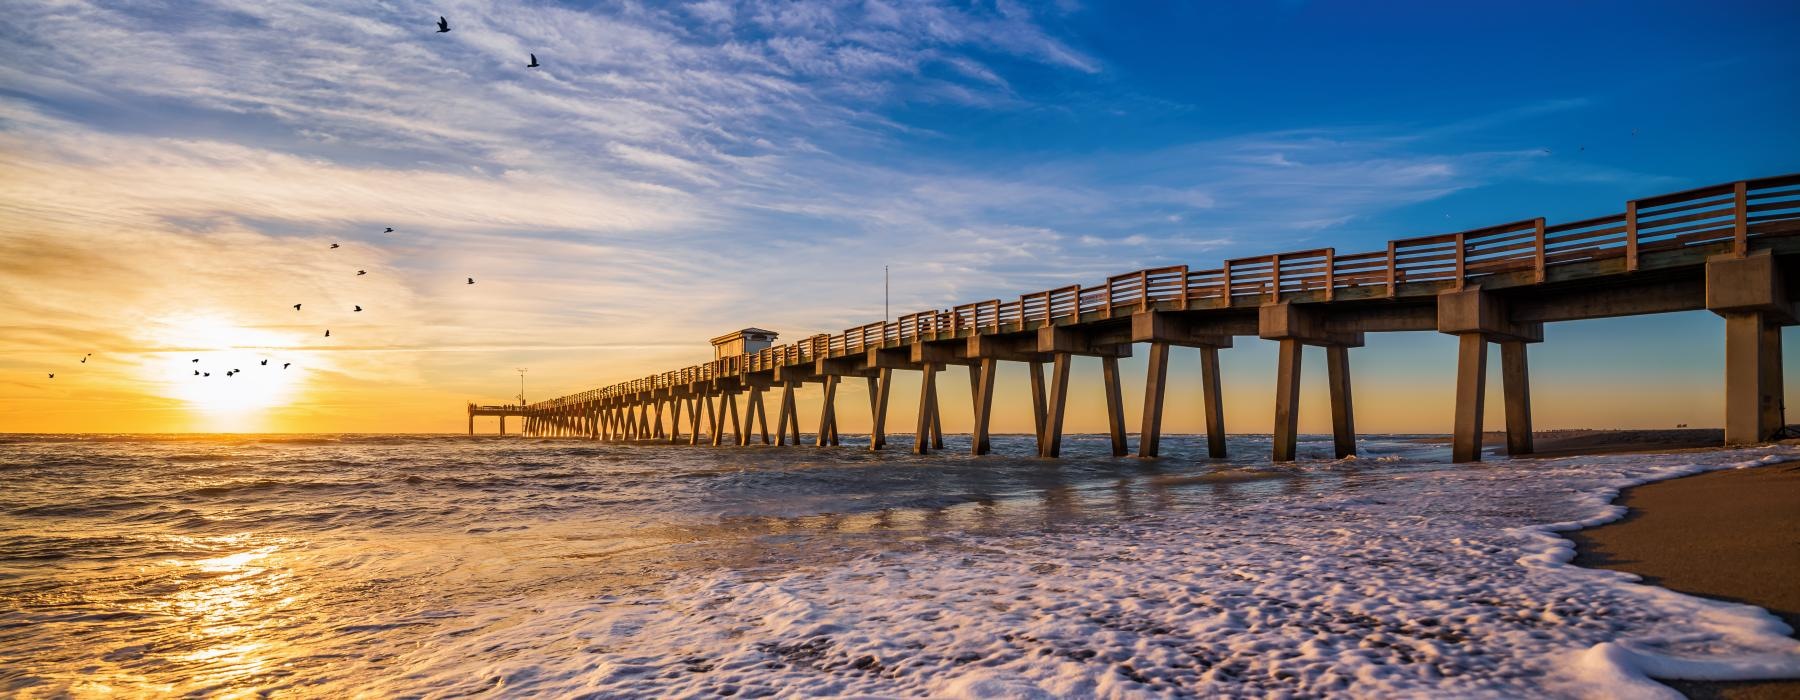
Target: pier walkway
1725, 248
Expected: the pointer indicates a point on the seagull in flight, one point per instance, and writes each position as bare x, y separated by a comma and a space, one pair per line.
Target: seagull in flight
443, 25
390, 229
284, 365
52, 375
265, 363
362, 272
358, 308
471, 280
296, 308
334, 245
533, 63
196, 359
85, 357
328, 332
196, 373
205, 374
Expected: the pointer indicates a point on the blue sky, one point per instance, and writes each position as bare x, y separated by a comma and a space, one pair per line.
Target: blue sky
679, 169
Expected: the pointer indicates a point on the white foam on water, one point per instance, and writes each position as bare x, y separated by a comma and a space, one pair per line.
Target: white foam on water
1442, 581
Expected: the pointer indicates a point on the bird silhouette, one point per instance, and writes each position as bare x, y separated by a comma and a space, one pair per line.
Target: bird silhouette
328, 332
196, 359
443, 25
358, 308
1546, 152
85, 357
296, 308
362, 272
265, 363
52, 375
471, 280
533, 63
334, 245
284, 365
196, 373
390, 229
205, 374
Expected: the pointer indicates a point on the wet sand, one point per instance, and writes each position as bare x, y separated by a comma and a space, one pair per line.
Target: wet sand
1730, 535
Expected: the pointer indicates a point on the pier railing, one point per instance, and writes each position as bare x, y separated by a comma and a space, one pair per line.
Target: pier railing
1726, 216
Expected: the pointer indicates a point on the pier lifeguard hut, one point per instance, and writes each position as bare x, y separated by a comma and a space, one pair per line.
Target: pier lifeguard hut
742, 342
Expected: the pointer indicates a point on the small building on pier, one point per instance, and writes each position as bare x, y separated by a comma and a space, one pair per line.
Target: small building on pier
744, 342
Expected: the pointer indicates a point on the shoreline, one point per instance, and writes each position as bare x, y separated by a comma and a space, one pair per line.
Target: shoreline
1724, 535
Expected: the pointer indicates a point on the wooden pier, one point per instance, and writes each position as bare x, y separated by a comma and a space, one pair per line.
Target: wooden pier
1725, 248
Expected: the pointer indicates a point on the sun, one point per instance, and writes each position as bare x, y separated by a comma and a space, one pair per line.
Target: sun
233, 389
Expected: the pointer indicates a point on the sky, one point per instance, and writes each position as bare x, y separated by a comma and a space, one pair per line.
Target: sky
172, 175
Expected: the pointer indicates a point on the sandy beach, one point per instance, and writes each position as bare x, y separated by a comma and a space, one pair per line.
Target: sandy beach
1729, 535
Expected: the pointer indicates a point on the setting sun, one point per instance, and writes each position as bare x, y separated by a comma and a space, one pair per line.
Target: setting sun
233, 385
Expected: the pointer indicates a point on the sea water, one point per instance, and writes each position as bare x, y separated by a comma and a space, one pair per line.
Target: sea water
432, 566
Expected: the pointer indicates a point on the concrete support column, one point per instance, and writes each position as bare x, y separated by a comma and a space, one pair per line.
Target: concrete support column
828, 411
1471, 390
1287, 400
1155, 375
1343, 420
503, 424
927, 409
880, 386
1050, 443
980, 443
1038, 401
1213, 397
1752, 378
1115, 403
471, 423
1515, 378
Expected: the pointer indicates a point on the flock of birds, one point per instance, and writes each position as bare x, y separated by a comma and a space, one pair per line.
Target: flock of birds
443, 26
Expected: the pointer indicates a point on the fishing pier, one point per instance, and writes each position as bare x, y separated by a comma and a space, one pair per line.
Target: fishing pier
1725, 248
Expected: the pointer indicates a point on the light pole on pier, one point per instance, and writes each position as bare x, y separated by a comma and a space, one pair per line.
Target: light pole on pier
522, 385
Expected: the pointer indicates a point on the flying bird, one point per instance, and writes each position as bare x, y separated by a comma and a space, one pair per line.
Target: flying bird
471, 280
284, 365
443, 25
358, 308
328, 332
265, 363
196, 373
390, 229
85, 357
334, 245
196, 359
362, 272
533, 63
296, 308
52, 375
205, 374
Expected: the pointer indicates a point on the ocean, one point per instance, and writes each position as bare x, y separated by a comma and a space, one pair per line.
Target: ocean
433, 566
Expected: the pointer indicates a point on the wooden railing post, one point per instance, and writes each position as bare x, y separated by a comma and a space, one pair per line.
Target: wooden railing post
1143, 290
1631, 236
1740, 225
1393, 281
1330, 272
1462, 254
1540, 248
1275, 278
1226, 282
1183, 304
